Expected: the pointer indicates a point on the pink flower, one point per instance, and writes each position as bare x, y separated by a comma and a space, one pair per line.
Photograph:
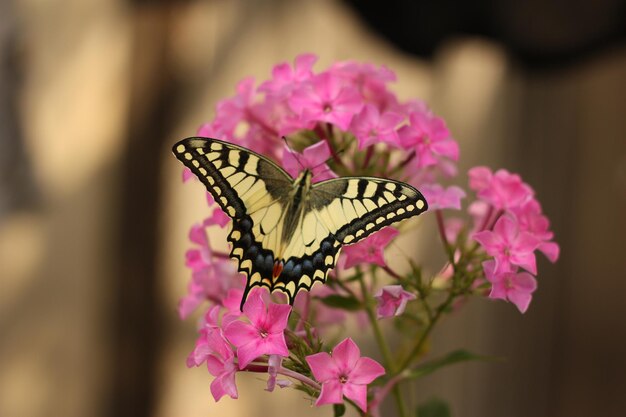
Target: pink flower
198, 258
221, 364
442, 198
368, 79
264, 335
211, 282
187, 175
392, 300
313, 158
370, 127
531, 220
516, 287
344, 373
218, 217
325, 99
371, 249
284, 78
503, 190
230, 112
430, 138
509, 246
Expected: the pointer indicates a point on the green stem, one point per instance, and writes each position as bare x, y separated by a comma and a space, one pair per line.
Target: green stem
383, 346
431, 323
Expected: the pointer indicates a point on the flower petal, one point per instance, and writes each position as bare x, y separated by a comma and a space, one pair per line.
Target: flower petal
277, 316
365, 371
357, 393
332, 393
323, 366
254, 308
346, 354
239, 333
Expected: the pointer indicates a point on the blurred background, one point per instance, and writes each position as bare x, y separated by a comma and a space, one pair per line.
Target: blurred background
94, 217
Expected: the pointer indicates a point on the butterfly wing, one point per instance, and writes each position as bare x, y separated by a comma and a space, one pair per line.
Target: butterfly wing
258, 195
338, 212
253, 191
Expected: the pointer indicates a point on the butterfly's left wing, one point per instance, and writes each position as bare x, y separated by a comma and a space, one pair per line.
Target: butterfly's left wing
342, 211
253, 191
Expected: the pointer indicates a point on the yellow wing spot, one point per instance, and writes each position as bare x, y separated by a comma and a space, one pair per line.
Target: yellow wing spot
369, 205
228, 171
200, 151
336, 243
370, 190
328, 260
202, 171
359, 207
236, 234
256, 277
251, 165
224, 201
180, 148
216, 146
381, 201
348, 210
380, 220
402, 197
305, 281
369, 226
420, 204
390, 186
319, 274
231, 211
401, 211
410, 207
291, 287
390, 197
266, 282
359, 233
247, 264
210, 180
279, 285
348, 239
233, 158
217, 164
217, 190
238, 252
391, 215
353, 189
195, 163
236, 178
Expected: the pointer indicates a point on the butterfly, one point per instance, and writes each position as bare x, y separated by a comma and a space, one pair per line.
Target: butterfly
287, 233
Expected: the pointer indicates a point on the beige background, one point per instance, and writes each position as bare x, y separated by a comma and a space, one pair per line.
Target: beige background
102, 91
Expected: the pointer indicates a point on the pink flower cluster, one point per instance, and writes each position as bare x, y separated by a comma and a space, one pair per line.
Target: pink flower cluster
229, 345
349, 97
512, 227
345, 121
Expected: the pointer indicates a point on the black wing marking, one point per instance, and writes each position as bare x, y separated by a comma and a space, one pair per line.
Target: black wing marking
253, 191
343, 211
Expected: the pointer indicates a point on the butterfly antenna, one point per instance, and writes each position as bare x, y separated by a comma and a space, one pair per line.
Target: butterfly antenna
292, 152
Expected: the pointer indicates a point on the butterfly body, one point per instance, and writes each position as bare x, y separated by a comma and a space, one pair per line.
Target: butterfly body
287, 233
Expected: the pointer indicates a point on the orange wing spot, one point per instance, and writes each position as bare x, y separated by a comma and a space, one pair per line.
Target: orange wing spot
278, 268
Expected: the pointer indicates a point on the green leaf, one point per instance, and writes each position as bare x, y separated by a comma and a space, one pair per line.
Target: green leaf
339, 410
449, 359
434, 407
340, 301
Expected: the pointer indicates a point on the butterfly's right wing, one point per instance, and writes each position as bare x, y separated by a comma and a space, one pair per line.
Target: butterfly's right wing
253, 191
342, 211
353, 208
